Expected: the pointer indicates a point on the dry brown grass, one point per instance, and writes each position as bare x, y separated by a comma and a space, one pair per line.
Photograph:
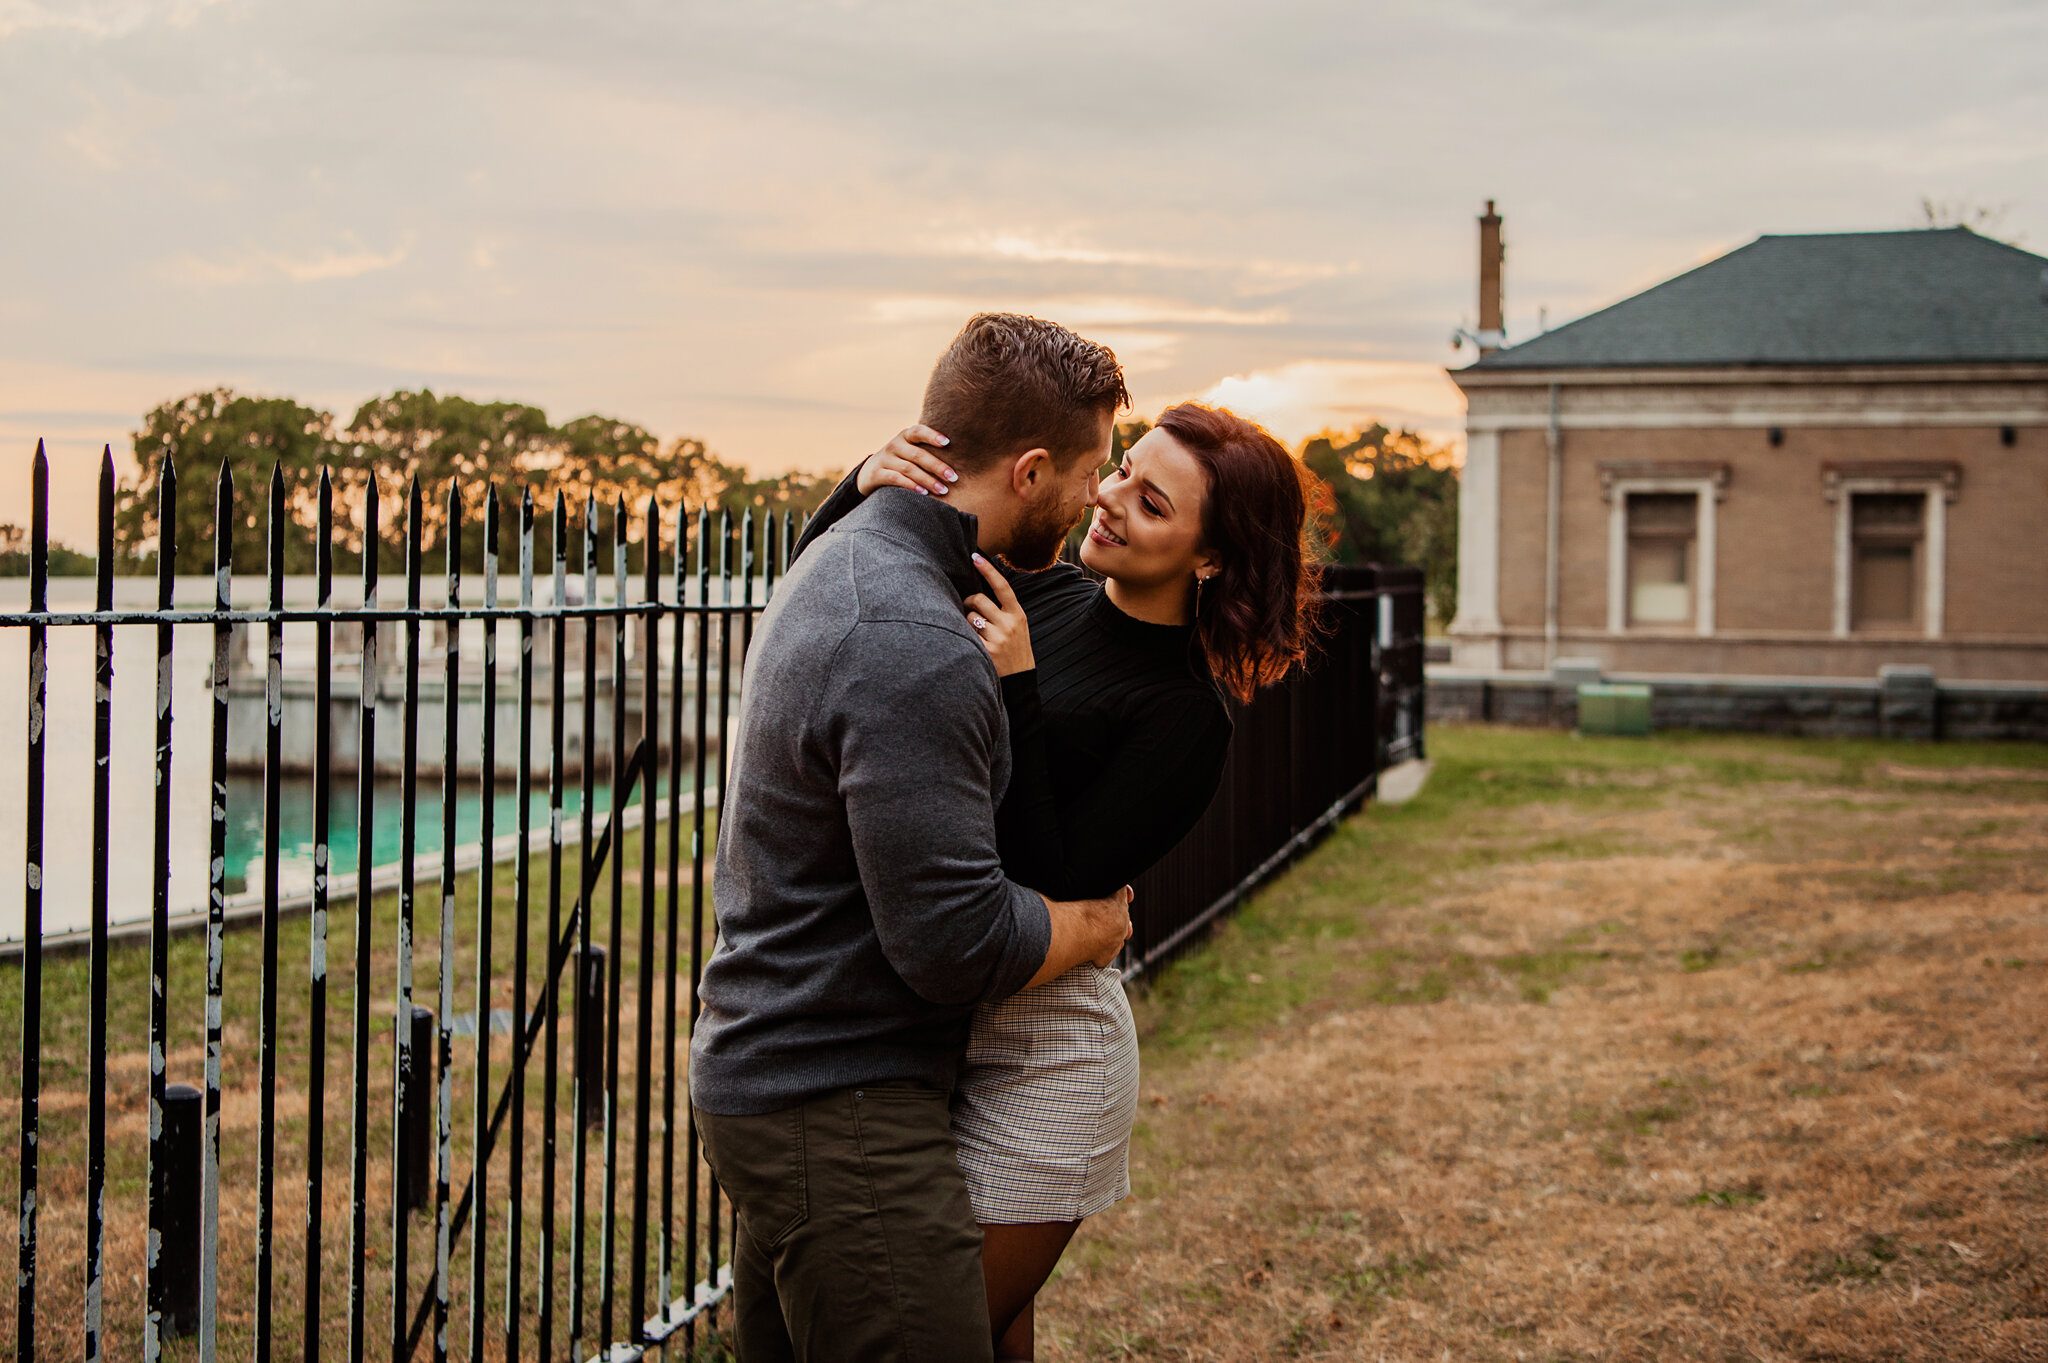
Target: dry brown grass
1751, 1070
63, 1172
1721, 1049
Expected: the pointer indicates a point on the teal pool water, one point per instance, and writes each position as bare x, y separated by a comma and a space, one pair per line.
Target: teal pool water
295, 821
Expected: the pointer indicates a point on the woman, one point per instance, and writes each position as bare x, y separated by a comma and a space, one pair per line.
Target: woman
1119, 730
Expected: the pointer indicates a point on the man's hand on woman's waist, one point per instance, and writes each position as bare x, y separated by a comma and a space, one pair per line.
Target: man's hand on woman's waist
1085, 930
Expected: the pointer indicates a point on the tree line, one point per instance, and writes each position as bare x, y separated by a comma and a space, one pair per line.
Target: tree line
1390, 496
388, 443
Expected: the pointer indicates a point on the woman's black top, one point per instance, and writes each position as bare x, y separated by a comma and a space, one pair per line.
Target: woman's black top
1117, 737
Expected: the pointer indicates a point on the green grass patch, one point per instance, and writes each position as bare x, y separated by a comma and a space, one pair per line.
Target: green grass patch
1393, 1276
1820, 960
1695, 959
1864, 1263
1537, 973
1747, 1195
1644, 1121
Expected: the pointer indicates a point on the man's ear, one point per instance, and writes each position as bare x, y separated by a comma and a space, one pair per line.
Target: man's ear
1029, 470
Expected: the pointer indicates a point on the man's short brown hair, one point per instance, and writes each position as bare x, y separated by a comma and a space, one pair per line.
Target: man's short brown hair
1011, 383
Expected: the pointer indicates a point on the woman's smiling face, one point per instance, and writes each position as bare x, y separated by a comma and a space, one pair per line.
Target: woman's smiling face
1147, 529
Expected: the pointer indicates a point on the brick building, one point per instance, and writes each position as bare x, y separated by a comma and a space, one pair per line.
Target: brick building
1812, 457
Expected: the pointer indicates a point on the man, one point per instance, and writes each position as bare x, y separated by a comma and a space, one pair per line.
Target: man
862, 910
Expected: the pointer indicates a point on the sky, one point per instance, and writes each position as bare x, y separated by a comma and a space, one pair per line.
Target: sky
758, 223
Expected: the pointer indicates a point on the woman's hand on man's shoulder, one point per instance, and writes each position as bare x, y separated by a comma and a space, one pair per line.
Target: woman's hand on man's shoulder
910, 460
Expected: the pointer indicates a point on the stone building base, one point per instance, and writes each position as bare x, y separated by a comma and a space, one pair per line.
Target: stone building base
1903, 703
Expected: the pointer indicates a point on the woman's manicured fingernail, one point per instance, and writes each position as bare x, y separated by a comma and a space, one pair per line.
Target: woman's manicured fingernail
952, 477
945, 440
942, 489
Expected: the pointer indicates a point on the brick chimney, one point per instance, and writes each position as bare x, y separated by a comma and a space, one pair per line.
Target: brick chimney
1491, 254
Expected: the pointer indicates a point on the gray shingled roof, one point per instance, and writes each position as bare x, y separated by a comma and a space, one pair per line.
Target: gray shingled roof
1841, 298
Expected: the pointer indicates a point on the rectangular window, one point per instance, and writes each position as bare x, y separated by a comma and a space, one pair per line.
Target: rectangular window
1662, 530
1886, 530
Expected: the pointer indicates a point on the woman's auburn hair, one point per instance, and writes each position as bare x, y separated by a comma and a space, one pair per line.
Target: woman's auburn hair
1256, 616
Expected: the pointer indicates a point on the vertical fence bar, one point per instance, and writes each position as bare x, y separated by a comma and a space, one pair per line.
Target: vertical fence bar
216, 921
403, 1179
444, 1047
366, 767
102, 796
479, 1261
154, 1268
725, 529
32, 910
724, 706
643, 1039
515, 1199
615, 947
273, 754
584, 1055
316, 948
551, 982
668, 979
747, 540
690, 1160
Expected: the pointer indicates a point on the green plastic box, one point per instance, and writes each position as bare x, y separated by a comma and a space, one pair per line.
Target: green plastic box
1614, 708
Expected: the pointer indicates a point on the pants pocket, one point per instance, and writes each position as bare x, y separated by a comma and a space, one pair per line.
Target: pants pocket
759, 1161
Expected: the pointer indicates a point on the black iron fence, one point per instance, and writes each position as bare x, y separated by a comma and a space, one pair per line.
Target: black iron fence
1305, 753
590, 913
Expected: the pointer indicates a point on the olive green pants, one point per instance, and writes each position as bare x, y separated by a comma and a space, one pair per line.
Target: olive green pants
857, 1242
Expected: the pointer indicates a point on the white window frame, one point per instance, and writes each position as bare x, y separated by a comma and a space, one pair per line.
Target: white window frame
1706, 489
1936, 490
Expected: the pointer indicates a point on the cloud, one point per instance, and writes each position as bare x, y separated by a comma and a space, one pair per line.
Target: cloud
326, 264
337, 264
97, 18
1078, 313
1310, 396
1022, 247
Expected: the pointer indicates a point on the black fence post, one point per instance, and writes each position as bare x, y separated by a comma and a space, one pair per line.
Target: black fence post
415, 1180
590, 1036
174, 1189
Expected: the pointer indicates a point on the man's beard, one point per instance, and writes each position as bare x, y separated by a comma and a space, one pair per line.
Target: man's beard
1041, 531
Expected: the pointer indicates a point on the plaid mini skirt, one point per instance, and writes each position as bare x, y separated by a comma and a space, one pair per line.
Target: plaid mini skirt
1047, 1095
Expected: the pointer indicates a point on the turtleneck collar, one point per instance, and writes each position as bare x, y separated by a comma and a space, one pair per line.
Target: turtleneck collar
951, 537
1171, 639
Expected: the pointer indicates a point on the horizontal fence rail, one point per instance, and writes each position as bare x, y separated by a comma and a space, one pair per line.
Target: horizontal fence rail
506, 1167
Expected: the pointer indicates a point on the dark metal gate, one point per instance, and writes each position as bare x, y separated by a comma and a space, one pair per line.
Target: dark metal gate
374, 1247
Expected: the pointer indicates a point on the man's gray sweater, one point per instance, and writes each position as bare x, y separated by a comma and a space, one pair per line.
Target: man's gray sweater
862, 910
